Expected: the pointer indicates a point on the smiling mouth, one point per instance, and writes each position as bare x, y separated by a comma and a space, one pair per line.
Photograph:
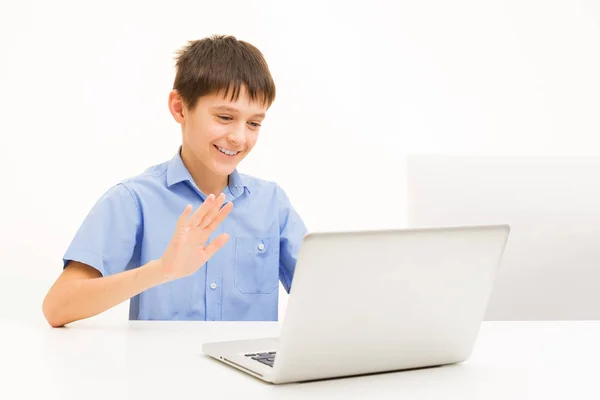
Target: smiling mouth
226, 152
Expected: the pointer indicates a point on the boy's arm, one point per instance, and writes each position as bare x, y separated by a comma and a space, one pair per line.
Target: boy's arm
81, 291
292, 232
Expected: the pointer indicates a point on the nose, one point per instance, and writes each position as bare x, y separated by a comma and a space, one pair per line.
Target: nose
237, 136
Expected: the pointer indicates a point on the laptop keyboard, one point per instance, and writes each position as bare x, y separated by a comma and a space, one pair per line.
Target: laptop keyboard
266, 358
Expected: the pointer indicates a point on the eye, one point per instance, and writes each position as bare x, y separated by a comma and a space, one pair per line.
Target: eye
225, 118
255, 124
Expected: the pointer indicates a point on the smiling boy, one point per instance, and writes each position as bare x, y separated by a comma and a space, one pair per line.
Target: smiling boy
191, 238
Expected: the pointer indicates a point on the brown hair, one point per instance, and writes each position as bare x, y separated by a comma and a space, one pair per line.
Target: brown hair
222, 63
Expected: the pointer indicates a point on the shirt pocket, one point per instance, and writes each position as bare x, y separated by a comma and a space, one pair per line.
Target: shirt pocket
256, 266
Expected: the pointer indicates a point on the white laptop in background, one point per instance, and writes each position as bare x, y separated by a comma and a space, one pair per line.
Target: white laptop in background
368, 302
551, 267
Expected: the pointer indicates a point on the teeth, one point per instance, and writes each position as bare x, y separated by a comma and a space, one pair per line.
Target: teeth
228, 152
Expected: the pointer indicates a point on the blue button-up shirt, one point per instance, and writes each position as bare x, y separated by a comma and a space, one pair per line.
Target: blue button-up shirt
132, 223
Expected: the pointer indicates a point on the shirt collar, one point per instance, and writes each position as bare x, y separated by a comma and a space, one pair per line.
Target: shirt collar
177, 172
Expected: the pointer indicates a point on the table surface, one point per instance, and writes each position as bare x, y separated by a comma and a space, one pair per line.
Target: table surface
162, 360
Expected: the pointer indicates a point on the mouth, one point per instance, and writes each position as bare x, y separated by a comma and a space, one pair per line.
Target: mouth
226, 152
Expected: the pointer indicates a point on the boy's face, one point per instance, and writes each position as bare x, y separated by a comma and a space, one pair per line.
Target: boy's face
218, 132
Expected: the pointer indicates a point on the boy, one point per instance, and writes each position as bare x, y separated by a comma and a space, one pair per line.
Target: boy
142, 241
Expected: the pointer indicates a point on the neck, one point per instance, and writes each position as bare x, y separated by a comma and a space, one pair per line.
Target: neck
207, 181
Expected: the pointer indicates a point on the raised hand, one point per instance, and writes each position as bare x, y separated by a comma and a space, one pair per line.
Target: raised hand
188, 251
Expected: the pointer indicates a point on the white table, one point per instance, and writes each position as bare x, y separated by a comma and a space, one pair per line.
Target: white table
162, 360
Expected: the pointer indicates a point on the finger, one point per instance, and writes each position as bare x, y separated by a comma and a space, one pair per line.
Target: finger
212, 213
201, 211
201, 235
215, 245
220, 216
183, 218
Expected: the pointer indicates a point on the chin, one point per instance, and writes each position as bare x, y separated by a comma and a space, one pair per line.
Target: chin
224, 170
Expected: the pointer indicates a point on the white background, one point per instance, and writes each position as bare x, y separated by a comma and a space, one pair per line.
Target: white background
550, 267
84, 90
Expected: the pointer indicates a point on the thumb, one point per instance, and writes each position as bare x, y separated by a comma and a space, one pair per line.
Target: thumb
215, 245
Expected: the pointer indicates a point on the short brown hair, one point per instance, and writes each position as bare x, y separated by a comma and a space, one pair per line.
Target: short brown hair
222, 63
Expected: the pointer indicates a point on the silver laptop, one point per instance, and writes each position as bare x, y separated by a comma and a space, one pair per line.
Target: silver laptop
377, 301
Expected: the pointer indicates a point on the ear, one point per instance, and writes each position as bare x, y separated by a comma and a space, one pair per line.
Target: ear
176, 106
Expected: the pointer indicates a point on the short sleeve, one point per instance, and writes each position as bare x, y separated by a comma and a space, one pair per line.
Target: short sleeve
292, 232
107, 238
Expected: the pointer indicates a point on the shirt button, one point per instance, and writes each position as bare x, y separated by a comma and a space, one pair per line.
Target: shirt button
261, 246
213, 286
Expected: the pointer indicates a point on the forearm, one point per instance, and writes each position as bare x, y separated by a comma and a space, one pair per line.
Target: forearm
83, 298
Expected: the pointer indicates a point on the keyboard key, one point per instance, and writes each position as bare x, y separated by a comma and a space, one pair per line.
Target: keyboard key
266, 358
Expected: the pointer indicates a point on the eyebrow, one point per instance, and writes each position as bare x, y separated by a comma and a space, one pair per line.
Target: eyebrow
235, 111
